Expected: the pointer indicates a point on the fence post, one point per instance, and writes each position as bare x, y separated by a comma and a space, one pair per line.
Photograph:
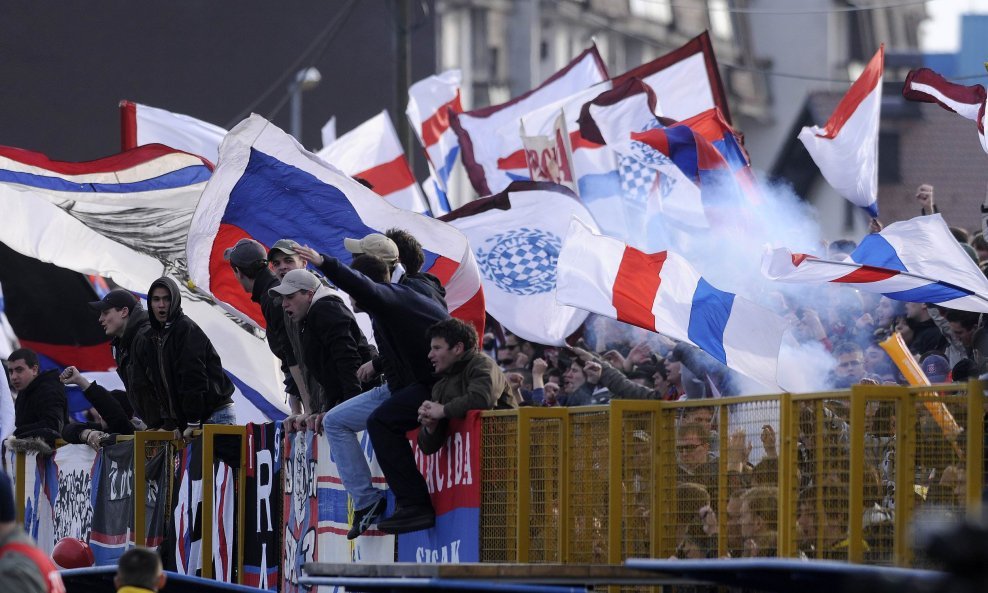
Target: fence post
524, 453
975, 449
855, 521
787, 506
141, 439
209, 433
615, 471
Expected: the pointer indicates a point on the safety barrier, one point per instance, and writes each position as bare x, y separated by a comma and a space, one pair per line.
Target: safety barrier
771, 476
746, 476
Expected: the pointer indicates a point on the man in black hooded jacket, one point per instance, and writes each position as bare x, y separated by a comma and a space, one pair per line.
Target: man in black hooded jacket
41, 408
185, 368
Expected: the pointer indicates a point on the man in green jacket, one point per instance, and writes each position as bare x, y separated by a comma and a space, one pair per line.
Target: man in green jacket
468, 380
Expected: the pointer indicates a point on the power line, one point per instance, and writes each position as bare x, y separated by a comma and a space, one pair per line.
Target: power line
318, 45
838, 9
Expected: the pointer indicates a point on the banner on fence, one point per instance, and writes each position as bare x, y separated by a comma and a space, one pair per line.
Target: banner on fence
301, 507
262, 545
452, 475
187, 517
336, 513
68, 488
113, 502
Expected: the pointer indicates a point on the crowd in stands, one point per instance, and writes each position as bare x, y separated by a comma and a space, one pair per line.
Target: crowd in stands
427, 368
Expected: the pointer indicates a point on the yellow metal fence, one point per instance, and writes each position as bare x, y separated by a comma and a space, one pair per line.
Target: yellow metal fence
839, 476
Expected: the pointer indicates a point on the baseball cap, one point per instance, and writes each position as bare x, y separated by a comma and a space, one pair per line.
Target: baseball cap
935, 367
295, 281
374, 244
245, 253
117, 298
286, 246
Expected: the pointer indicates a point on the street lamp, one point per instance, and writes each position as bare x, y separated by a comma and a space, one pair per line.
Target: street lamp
306, 79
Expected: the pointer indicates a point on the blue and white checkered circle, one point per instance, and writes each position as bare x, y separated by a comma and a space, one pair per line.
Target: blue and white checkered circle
521, 261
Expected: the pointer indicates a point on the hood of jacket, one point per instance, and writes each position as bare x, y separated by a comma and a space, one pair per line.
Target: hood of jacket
137, 319
174, 311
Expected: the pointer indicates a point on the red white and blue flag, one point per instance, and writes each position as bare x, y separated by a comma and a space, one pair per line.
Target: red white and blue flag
846, 148
430, 103
372, 152
662, 292
142, 124
926, 86
267, 187
127, 217
916, 261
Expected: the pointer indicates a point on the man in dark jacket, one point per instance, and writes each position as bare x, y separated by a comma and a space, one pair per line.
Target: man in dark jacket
126, 322
333, 346
468, 380
400, 317
41, 408
185, 368
249, 262
404, 257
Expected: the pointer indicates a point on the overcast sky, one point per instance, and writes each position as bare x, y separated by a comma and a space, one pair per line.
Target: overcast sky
941, 33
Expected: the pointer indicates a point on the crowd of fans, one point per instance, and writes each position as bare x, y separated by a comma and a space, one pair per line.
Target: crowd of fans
427, 368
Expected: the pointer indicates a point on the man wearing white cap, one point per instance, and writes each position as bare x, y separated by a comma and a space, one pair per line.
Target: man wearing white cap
333, 346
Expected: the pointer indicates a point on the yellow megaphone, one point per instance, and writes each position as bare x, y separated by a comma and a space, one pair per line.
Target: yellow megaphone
911, 370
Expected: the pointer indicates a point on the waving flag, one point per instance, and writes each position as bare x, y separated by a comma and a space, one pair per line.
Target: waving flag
430, 103
927, 86
126, 217
142, 124
846, 148
478, 129
686, 80
267, 187
647, 180
372, 152
516, 237
661, 292
915, 260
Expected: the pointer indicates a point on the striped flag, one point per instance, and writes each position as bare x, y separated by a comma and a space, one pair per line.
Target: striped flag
483, 150
372, 152
127, 217
143, 124
916, 261
267, 187
662, 292
846, 148
430, 103
927, 86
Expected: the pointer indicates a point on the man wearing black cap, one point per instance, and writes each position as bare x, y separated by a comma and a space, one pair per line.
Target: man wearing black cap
185, 367
250, 267
40, 409
126, 322
23, 567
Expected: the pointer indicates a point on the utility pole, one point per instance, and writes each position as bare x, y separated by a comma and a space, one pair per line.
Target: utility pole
403, 76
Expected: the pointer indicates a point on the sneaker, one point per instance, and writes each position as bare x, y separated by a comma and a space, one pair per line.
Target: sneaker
408, 519
364, 518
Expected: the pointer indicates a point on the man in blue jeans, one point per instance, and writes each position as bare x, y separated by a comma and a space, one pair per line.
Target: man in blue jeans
400, 316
